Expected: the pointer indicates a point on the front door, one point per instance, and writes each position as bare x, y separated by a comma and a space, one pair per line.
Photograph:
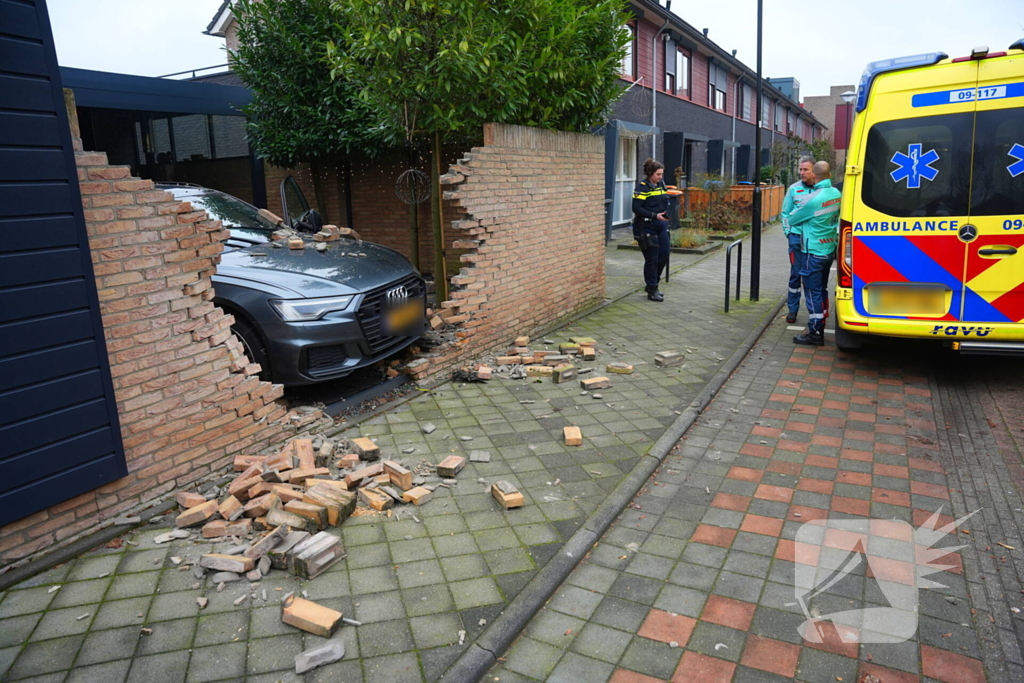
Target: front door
994, 271
625, 181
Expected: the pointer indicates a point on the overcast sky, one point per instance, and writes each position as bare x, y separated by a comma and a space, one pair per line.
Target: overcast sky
819, 43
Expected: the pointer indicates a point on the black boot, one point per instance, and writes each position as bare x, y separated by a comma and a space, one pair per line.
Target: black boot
791, 318
654, 295
810, 339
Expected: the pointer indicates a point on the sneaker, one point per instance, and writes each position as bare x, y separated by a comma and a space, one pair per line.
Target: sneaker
791, 318
809, 339
654, 295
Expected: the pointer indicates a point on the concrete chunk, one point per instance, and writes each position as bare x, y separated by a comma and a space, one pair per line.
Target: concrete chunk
331, 651
668, 359
619, 368
429, 428
480, 456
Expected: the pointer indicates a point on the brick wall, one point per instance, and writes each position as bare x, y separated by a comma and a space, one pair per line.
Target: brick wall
532, 231
186, 394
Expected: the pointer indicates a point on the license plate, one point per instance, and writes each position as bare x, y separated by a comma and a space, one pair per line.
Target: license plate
403, 319
907, 301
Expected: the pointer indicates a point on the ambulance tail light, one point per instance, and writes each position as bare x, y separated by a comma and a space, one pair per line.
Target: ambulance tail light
845, 254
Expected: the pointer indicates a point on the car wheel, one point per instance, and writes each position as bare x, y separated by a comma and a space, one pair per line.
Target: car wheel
254, 347
847, 340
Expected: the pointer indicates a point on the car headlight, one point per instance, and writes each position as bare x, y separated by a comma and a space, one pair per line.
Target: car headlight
302, 310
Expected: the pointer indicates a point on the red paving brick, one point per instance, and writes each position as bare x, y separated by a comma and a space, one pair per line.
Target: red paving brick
666, 627
855, 478
782, 398
766, 526
756, 451
800, 513
771, 492
695, 667
627, 676
772, 432
784, 467
770, 655
832, 641
921, 488
893, 571
795, 446
900, 498
854, 454
922, 516
830, 441
821, 461
851, 506
793, 551
728, 612
713, 535
815, 485
745, 474
891, 471
794, 426
950, 667
885, 674
927, 465
731, 501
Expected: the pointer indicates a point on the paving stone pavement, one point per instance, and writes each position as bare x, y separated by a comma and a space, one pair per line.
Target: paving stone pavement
413, 583
696, 580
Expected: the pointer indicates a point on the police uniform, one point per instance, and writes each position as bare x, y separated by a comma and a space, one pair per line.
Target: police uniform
649, 200
796, 195
818, 221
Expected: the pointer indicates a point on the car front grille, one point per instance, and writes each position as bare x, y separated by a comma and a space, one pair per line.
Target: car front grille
324, 360
370, 314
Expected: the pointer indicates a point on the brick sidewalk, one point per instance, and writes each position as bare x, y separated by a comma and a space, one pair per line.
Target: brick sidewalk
413, 584
696, 581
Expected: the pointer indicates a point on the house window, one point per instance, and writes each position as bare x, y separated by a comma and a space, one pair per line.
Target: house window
629, 59
682, 73
791, 123
779, 114
766, 112
747, 93
719, 99
717, 83
625, 180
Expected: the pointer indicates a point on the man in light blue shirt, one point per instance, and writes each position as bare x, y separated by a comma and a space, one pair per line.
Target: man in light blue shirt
796, 195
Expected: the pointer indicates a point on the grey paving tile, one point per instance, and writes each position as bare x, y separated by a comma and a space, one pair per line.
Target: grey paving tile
45, 657
400, 668
108, 672
532, 658
651, 657
217, 662
105, 646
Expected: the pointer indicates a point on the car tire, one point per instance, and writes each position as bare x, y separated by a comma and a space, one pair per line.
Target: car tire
254, 346
849, 341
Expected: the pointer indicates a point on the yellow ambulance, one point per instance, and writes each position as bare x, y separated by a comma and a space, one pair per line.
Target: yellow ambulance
932, 222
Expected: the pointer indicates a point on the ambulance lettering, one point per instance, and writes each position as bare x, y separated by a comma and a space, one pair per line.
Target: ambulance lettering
907, 226
962, 330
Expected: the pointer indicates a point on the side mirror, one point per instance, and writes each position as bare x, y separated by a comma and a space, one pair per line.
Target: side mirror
293, 203
311, 221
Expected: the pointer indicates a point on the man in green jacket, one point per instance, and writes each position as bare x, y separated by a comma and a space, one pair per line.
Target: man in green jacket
795, 196
817, 219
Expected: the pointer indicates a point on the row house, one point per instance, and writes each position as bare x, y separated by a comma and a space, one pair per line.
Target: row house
692, 105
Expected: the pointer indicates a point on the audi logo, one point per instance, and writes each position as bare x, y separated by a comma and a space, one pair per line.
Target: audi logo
397, 296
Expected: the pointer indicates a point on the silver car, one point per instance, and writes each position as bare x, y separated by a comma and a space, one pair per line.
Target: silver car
308, 316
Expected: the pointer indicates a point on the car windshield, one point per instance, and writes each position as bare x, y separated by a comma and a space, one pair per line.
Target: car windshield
231, 211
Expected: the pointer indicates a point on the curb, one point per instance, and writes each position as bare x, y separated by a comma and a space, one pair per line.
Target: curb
482, 654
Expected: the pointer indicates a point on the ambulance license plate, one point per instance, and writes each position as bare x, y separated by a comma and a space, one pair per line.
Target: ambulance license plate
907, 301
403, 319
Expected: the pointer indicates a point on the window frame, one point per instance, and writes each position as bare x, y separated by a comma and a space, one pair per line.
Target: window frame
630, 58
682, 73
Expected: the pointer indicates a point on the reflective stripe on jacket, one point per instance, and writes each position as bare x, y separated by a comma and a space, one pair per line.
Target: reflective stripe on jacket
817, 219
649, 199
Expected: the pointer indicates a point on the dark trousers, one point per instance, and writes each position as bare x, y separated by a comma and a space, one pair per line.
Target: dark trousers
655, 256
815, 280
796, 264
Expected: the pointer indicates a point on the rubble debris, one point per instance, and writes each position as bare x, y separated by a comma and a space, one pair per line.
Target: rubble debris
399, 476
315, 555
569, 349
355, 479
292, 520
264, 545
480, 456
188, 500
521, 341
555, 360
376, 500
588, 353
126, 520
507, 494
331, 651
429, 428
668, 359
171, 535
563, 373
450, 466
239, 564
225, 577
573, 436
595, 383
539, 371
279, 554
310, 617
417, 496
202, 602
315, 513
296, 243
366, 450
619, 368
196, 515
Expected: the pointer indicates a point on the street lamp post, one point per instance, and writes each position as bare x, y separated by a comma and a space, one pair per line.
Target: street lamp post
848, 97
755, 219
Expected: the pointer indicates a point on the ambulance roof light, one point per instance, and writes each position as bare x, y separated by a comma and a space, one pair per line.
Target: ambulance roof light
1019, 45
886, 65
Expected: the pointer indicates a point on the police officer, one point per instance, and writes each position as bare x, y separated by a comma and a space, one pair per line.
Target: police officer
818, 222
650, 225
795, 196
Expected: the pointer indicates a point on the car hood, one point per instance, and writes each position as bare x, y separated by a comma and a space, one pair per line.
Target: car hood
347, 267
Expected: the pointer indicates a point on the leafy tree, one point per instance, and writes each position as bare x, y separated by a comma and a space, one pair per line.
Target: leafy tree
443, 68
298, 112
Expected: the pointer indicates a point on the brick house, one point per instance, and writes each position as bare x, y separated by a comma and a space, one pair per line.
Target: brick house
701, 118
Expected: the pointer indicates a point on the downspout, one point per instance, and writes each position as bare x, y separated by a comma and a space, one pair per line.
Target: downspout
654, 80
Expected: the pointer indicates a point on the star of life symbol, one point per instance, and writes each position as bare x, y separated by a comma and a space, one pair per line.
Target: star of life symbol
900, 559
1017, 167
915, 166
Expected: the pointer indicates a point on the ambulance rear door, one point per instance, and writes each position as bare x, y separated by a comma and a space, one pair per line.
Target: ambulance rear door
994, 271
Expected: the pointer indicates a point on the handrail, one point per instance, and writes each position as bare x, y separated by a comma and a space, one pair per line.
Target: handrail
193, 71
728, 268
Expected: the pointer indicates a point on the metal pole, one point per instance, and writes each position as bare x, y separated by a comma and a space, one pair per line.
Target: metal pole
755, 219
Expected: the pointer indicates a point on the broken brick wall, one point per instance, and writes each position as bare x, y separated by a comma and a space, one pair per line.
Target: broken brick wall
187, 397
532, 235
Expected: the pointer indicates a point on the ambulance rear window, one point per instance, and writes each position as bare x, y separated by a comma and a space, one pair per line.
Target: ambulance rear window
998, 155
902, 175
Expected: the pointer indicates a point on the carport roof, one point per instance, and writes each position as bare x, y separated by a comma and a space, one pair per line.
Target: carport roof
144, 93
